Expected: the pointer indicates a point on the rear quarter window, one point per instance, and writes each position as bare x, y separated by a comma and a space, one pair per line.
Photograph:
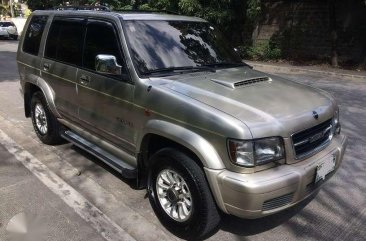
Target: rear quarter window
6, 24
65, 40
33, 36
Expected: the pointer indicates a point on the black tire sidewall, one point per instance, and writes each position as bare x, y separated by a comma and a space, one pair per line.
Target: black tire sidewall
189, 172
52, 135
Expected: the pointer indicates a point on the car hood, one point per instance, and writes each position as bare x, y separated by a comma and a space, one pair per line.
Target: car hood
267, 104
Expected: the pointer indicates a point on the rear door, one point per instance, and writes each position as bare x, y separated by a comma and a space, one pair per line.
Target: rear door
28, 55
62, 57
105, 100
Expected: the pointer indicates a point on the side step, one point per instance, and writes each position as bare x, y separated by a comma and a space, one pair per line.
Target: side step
117, 164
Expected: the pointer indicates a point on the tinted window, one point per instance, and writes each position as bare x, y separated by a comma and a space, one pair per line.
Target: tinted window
6, 24
156, 44
33, 35
64, 42
100, 39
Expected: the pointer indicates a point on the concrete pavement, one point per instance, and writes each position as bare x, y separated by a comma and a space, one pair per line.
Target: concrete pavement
48, 217
96, 219
317, 70
338, 212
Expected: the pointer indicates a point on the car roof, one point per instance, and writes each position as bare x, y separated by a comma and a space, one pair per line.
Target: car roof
127, 15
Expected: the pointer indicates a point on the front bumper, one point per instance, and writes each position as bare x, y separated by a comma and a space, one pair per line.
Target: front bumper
266, 192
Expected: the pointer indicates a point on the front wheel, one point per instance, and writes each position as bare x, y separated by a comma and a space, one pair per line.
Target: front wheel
180, 195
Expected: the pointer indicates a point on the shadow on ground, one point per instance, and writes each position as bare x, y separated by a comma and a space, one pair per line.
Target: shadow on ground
248, 227
9, 66
96, 163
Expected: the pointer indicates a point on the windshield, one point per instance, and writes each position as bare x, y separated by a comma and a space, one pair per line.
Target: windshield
160, 45
6, 24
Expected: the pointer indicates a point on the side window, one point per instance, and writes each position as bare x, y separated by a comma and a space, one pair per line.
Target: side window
33, 36
101, 38
65, 41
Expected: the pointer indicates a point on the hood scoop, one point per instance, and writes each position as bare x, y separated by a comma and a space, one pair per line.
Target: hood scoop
241, 83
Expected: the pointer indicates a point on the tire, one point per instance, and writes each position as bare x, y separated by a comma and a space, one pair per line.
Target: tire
202, 217
14, 37
42, 117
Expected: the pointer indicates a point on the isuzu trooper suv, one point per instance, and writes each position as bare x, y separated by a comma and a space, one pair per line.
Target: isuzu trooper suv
163, 99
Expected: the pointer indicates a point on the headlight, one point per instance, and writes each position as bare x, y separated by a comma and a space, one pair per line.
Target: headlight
255, 152
336, 124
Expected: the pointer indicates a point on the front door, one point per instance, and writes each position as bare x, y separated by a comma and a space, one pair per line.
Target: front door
105, 101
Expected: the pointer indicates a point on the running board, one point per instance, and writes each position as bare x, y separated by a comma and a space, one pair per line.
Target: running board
117, 164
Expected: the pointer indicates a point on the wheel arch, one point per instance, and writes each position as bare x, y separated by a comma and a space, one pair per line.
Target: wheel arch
29, 90
158, 134
41, 85
152, 143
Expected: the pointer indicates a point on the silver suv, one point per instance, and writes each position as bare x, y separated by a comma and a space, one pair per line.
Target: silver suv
163, 99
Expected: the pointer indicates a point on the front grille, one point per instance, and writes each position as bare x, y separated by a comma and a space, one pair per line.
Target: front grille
312, 140
277, 202
251, 81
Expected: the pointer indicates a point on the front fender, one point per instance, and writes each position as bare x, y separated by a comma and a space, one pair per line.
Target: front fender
194, 142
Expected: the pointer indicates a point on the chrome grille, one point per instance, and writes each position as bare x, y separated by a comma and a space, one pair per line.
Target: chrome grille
312, 140
251, 81
277, 202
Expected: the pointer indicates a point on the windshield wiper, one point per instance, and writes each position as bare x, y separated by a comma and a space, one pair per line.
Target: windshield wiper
180, 69
225, 64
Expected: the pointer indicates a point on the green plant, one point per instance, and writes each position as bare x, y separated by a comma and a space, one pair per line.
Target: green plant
254, 9
265, 50
190, 6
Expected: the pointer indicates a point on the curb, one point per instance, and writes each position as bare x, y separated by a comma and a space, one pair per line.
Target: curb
277, 68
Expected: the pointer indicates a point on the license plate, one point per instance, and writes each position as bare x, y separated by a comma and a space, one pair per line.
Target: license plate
325, 167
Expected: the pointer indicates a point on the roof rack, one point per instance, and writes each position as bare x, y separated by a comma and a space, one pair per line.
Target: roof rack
147, 11
82, 8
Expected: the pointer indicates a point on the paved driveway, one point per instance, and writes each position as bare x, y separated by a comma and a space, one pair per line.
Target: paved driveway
338, 212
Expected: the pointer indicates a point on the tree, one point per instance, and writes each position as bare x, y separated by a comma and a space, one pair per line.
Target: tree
47, 4
333, 32
254, 10
42, 4
4, 9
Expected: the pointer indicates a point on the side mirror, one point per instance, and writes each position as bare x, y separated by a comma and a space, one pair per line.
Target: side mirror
107, 64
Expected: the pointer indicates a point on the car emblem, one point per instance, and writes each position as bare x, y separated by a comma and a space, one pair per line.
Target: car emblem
315, 115
316, 137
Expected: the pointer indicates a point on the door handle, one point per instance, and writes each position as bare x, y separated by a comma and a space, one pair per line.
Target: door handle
46, 66
84, 79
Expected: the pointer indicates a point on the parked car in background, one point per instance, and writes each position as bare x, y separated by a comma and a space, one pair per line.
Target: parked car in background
8, 30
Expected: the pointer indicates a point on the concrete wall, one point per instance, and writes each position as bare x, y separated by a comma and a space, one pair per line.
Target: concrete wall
303, 29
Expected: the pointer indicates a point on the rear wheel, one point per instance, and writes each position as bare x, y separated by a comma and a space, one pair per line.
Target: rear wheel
180, 196
44, 122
